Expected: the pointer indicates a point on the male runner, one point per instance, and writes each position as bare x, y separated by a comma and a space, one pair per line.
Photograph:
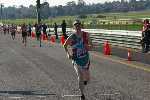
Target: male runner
13, 31
80, 45
24, 34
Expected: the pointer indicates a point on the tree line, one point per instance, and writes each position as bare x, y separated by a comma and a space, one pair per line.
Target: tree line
72, 8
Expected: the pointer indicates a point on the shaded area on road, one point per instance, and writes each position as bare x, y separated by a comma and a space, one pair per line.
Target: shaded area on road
136, 55
47, 68
26, 93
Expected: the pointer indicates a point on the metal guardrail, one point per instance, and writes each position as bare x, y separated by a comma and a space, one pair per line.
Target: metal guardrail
121, 38
127, 41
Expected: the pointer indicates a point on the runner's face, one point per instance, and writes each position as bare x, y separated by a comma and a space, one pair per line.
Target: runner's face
77, 27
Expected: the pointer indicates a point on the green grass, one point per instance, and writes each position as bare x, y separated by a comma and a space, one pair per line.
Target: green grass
19, 21
132, 27
129, 15
92, 22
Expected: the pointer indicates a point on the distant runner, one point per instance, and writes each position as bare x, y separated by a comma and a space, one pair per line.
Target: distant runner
24, 34
38, 28
29, 30
8, 28
4, 29
13, 31
80, 45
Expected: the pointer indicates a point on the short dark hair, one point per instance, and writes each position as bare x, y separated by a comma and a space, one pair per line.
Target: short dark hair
77, 22
146, 21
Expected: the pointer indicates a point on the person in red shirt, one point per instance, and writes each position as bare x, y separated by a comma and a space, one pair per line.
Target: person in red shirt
146, 24
145, 41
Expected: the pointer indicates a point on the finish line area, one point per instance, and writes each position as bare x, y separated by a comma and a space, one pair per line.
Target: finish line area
47, 68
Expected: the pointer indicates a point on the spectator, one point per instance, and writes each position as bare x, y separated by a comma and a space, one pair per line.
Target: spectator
63, 25
55, 30
29, 30
38, 29
49, 32
44, 26
145, 41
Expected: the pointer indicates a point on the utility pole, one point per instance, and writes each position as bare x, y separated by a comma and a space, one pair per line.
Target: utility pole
1, 11
38, 11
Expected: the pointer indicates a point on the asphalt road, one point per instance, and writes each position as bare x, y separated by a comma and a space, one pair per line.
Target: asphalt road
45, 73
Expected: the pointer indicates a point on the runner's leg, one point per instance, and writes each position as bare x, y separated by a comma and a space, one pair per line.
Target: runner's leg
80, 80
25, 40
14, 35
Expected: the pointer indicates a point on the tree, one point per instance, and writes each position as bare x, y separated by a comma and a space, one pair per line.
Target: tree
81, 3
45, 12
73, 8
71, 3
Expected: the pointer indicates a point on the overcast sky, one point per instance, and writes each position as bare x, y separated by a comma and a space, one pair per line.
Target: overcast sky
52, 2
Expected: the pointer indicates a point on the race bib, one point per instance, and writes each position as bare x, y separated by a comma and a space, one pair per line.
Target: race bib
81, 53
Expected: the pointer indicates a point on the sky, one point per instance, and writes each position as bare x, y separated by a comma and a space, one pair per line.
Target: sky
7, 3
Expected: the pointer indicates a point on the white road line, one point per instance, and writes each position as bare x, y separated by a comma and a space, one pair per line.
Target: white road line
16, 97
71, 96
109, 94
41, 96
122, 62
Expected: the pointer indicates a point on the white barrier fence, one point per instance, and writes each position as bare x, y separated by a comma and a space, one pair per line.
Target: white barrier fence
122, 38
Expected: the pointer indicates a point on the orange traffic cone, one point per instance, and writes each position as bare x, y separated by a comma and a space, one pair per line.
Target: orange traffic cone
41, 37
33, 35
107, 50
62, 39
52, 39
129, 55
44, 37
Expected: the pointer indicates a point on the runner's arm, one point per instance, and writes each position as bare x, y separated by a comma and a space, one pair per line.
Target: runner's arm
67, 42
90, 45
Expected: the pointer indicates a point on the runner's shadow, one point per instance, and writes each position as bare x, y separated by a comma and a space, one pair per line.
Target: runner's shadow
25, 93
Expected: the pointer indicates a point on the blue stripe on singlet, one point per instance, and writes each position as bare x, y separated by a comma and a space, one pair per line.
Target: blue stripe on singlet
81, 57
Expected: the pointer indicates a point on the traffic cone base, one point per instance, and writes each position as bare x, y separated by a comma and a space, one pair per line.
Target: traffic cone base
33, 35
62, 39
129, 55
52, 39
107, 50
